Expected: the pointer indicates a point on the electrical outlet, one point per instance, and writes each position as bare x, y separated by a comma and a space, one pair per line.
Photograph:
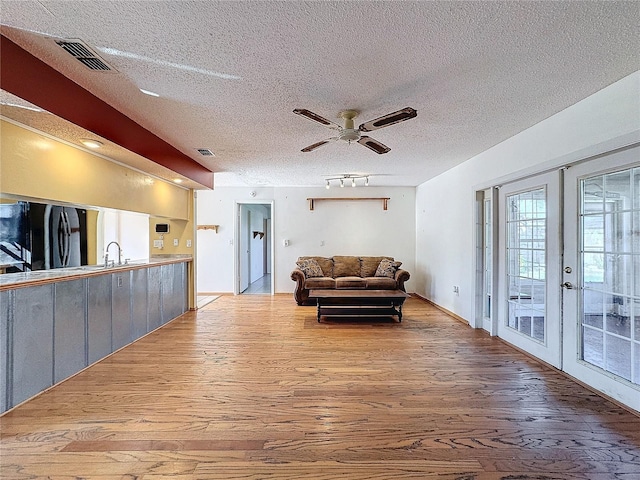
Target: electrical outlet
188, 243
456, 290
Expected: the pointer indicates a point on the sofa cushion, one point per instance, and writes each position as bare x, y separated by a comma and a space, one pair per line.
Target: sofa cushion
319, 282
381, 283
369, 265
326, 264
346, 266
351, 282
310, 268
387, 268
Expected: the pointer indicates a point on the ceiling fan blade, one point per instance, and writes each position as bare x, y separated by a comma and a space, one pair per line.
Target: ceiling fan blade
389, 119
315, 117
314, 146
374, 145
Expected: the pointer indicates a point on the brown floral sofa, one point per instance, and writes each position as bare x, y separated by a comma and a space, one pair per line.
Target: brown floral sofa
348, 272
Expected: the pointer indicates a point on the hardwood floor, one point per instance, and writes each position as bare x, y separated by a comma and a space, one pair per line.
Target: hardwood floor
253, 387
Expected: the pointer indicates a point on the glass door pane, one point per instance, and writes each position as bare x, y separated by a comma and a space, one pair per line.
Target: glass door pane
526, 262
609, 257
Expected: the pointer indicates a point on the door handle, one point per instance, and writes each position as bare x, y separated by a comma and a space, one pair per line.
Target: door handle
567, 285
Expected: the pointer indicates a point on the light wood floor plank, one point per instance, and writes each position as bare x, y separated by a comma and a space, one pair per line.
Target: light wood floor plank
253, 387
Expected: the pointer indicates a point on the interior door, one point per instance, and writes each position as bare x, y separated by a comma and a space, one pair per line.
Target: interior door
529, 314
244, 259
601, 299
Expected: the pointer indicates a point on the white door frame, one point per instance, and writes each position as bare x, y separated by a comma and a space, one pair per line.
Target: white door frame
236, 242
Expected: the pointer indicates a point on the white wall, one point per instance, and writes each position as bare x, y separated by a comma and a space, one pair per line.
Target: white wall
444, 205
346, 228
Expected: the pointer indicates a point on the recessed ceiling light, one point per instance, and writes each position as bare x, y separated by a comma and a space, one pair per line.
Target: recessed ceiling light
147, 92
177, 180
87, 142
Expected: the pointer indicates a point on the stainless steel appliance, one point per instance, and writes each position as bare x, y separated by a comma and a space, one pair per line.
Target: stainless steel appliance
58, 236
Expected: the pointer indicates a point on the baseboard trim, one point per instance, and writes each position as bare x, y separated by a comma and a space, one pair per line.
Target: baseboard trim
442, 309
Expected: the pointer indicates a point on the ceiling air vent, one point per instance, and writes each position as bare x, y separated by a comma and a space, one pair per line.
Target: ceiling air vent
205, 152
84, 54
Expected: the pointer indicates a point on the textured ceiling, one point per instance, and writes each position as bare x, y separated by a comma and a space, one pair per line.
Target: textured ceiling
230, 73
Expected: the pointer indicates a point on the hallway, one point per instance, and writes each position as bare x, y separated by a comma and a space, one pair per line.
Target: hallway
262, 285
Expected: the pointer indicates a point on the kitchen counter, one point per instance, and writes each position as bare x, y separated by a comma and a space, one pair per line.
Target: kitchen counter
54, 323
40, 277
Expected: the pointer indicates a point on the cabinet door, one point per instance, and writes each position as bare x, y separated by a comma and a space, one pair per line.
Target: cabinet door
69, 350
99, 317
6, 310
168, 295
121, 309
32, 341
154, 279
139, 302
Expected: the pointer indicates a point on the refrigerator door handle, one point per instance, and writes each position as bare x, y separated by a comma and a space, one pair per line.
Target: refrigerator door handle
64, 234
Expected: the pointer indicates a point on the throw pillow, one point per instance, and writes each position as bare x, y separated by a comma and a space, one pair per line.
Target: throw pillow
387, 268
310, 268
369, 265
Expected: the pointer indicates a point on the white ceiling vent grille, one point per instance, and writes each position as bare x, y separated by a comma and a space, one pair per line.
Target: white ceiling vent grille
205, 152
84, 55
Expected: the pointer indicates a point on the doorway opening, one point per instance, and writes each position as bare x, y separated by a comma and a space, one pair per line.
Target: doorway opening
254, 248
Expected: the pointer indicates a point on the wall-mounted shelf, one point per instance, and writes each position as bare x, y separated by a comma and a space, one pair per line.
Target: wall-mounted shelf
312, 201
208, 227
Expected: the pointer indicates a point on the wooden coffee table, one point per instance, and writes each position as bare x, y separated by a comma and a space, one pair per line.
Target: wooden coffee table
361, 303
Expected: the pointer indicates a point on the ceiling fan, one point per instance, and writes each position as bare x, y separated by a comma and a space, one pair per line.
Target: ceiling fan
350, 134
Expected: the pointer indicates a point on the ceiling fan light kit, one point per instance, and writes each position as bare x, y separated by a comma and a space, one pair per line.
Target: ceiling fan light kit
350, 134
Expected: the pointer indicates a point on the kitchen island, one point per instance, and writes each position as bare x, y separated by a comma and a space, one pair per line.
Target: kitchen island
54, 323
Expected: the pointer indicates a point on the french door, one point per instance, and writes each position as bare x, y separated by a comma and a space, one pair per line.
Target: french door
569, 270
529, 315
601, 303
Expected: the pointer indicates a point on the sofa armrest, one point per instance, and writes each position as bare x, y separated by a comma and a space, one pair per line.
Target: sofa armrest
298, 276
401, 277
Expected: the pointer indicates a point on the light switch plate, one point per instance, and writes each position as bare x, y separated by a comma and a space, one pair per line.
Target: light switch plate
175, 242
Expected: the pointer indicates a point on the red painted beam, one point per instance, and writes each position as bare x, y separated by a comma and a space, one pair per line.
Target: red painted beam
29, 78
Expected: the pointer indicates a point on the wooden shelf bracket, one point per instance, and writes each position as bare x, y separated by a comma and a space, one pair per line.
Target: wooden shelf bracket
209, 227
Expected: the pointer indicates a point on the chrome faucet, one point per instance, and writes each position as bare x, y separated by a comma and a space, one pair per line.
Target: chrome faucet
106, 254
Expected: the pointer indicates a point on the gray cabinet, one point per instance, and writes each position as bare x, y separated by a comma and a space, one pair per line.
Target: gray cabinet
139, 302
32, 342
52, 331
98, 317
69, 352
121, 310
154, 297
6, 309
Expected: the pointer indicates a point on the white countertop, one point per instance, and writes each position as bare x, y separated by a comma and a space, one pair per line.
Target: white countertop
27, 279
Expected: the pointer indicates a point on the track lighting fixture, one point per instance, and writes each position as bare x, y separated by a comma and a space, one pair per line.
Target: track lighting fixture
347, 176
